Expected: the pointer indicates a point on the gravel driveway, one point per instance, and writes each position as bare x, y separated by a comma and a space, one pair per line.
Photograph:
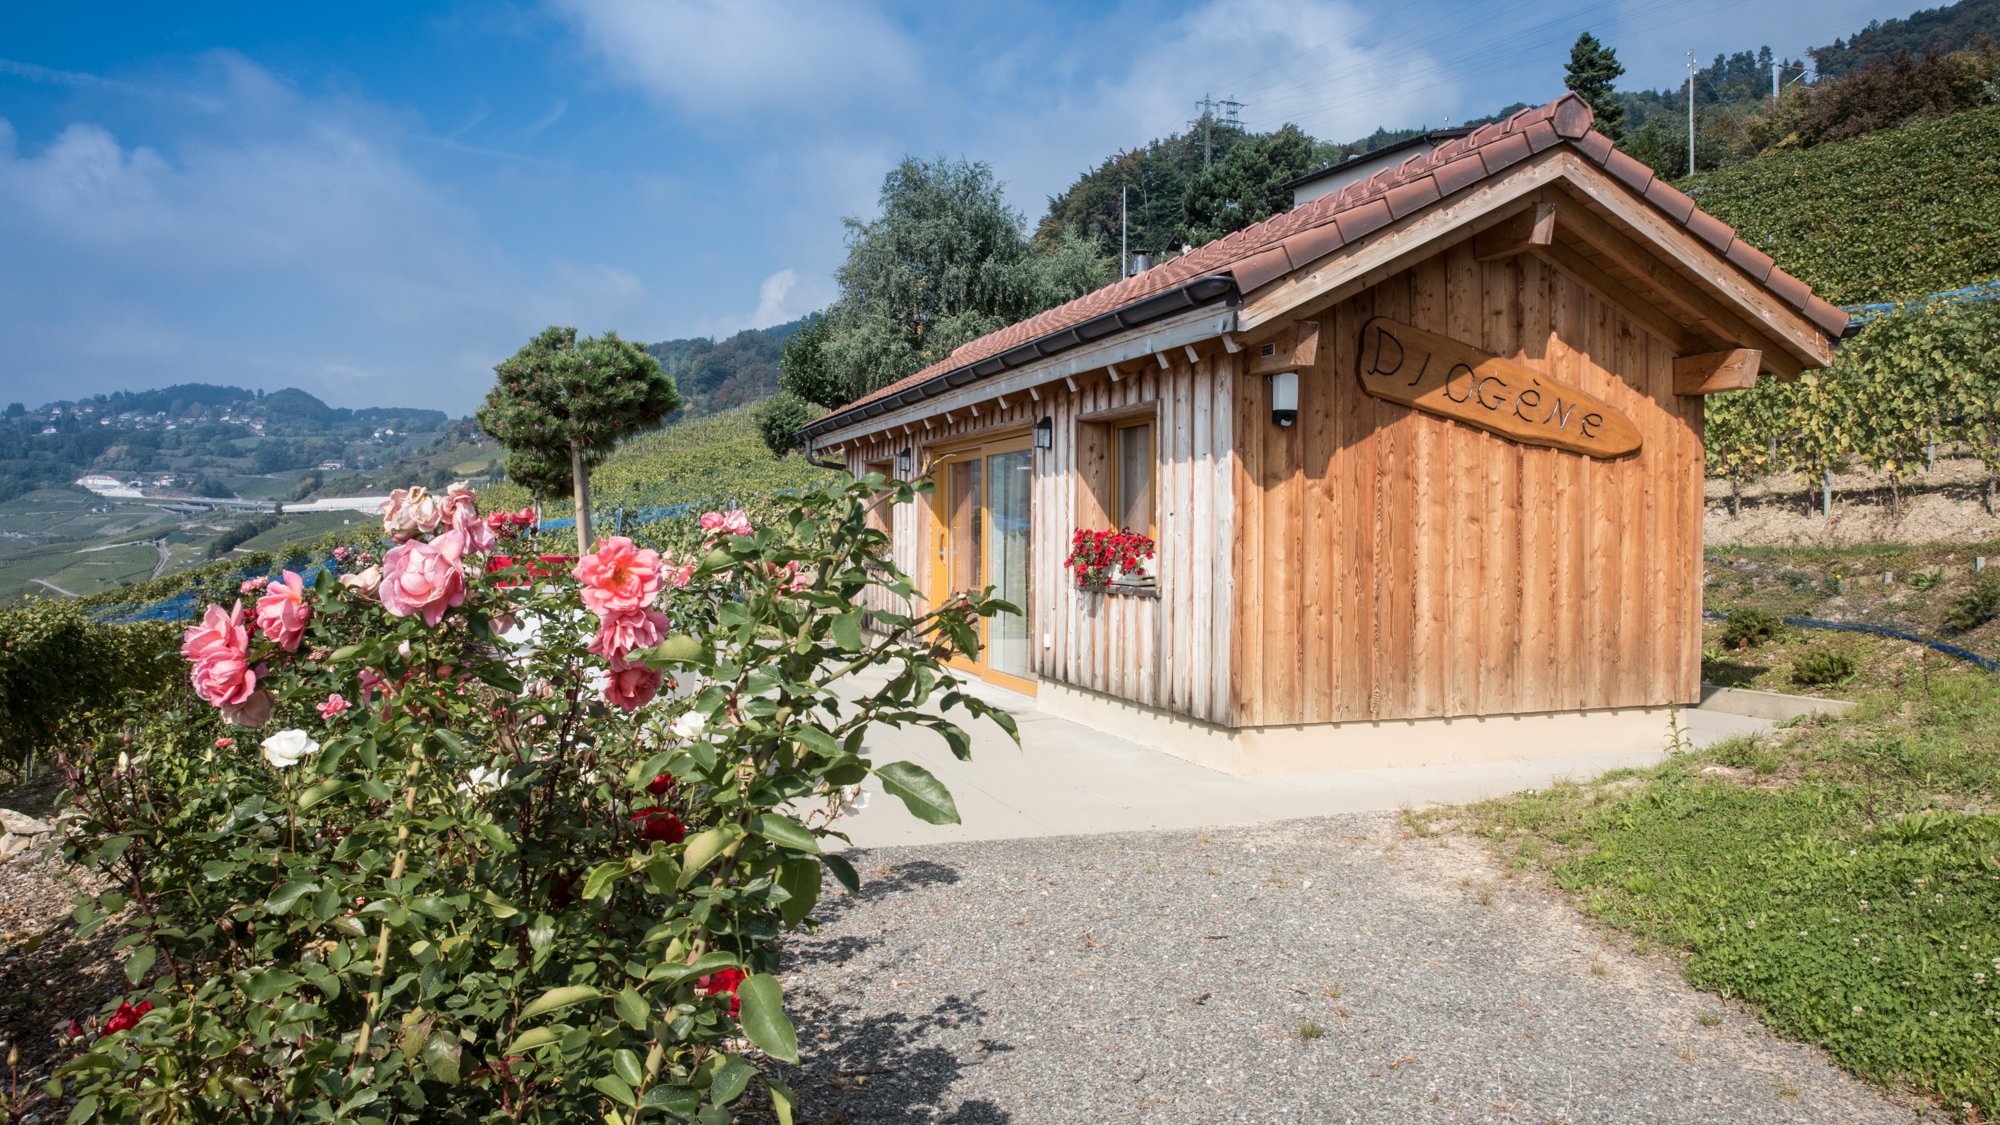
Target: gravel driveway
1180, 977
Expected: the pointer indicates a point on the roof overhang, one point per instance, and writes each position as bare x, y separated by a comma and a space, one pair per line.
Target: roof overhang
1197, 294
1604, 236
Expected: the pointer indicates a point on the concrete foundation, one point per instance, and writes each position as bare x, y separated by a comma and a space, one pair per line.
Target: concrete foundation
1322, 747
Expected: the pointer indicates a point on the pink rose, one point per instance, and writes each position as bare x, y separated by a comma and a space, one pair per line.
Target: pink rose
631, 686
334, 705
620, 633
282, 612
252, 585
340, 554
363, 582
424, 578
409, 511
679, 575
218, 632
732, 522
252, 712
619, 576
461, 514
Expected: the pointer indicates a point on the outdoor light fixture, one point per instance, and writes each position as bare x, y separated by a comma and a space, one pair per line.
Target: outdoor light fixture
904, 463
1285, 397
1045, 433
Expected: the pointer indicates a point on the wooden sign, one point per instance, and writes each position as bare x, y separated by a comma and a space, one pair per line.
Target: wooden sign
1438, 374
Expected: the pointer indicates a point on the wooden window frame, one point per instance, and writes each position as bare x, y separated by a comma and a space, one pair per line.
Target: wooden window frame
1118, 429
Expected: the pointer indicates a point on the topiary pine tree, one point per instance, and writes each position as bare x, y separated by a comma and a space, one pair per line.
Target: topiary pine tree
538, 474
1591, 70
560, 400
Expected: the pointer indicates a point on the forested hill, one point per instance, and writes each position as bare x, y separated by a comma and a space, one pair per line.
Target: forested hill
1952, 27
717, 375
1186, 188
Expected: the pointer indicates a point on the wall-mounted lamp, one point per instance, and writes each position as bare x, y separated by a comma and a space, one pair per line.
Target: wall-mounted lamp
1285, 397
905, 461
1045, 434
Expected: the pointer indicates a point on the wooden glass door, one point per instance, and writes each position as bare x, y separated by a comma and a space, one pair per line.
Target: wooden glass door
984, 518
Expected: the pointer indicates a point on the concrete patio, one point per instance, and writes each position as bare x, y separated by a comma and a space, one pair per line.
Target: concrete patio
1069, 779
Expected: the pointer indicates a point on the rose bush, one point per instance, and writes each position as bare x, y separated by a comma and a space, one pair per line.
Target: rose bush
538, 870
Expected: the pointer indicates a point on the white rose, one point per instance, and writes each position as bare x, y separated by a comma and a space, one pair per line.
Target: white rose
483, 779
288, 748
689, 724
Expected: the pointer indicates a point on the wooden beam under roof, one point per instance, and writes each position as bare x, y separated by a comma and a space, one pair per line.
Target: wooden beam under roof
1531, 226
1731, 370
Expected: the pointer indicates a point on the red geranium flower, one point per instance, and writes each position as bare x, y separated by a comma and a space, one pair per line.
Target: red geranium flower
125, 1018
721, 981
656, 823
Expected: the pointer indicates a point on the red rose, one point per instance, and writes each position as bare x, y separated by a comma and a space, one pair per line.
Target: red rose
721, 981
656, 823
659, 785
125, 1018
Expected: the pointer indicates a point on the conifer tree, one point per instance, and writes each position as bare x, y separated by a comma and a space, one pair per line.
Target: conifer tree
1591, 70
558, 400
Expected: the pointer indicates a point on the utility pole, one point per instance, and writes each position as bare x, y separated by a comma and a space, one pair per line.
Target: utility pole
1124, 225
1690, 113
1776, 66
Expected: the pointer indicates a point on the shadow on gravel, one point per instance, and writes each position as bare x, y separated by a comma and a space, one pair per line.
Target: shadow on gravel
867, 1066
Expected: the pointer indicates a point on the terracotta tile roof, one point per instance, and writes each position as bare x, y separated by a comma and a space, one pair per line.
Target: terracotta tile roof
1266, 251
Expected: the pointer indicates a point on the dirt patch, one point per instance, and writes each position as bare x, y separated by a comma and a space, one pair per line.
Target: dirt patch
1943, 505
47, 975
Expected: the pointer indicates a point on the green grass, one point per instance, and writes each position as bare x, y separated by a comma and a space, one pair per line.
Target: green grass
1842, 874
717, 459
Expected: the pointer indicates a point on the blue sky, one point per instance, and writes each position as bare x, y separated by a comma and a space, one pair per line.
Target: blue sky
378, 202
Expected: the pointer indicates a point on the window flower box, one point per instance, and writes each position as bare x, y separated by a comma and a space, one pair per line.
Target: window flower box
1101, 560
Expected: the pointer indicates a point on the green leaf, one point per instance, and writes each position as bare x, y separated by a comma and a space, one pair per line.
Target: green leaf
282, 899
784, 831
847, 631
702, 848
631, 1007
764, 1019
441, 1055
843, 871
679, 648
625, 1063
532, 1038
558, 998
615, 1088
599, 882
321, 792
137, 965
731, 1080
782, 1101
800, 879
925, 796
272, 983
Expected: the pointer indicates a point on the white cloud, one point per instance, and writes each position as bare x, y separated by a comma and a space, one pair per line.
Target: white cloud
783, 296
283, 239
736, 58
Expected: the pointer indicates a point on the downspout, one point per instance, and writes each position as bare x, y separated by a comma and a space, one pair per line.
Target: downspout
817, 464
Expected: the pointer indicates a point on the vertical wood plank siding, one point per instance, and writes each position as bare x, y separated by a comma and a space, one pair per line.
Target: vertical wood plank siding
1170, 652
1394, 564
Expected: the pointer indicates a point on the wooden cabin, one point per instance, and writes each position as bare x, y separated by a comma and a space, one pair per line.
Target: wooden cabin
1422, 458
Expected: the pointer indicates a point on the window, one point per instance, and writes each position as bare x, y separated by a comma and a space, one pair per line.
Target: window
1132, 477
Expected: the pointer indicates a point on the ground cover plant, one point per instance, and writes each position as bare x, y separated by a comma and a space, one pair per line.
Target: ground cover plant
1841, 875
444, 837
